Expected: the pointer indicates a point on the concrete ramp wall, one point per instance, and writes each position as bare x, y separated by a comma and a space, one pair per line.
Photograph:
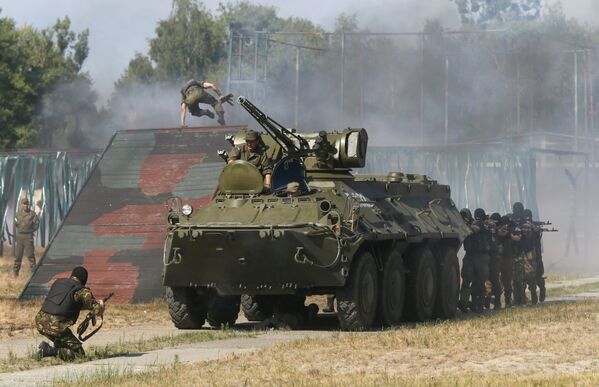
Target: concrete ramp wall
116, 226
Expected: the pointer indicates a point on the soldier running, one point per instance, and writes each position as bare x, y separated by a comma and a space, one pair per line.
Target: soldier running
26, 223
194, 93
60, 310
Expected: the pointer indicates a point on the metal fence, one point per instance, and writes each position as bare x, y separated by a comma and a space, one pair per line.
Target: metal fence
50, 180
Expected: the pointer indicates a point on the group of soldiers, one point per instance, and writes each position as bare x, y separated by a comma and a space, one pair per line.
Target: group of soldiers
503, 256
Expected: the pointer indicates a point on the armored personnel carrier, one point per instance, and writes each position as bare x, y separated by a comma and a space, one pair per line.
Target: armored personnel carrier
384, 245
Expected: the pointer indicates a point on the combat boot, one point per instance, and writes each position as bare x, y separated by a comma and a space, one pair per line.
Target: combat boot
221, 118
497, 302
462, 306
508, 301
477, 304
542, 294
533, 297
330, 304
46, 350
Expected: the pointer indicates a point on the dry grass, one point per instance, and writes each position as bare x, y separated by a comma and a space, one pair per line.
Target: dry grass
121, 348
559, 277
549, 344
16, 317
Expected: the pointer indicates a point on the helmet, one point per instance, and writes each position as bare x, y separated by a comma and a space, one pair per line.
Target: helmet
466, 214
527, 214
479, 214
518, 209
495, 216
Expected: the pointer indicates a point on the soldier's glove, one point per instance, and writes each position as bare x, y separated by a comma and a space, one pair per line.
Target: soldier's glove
101, 310
227, 98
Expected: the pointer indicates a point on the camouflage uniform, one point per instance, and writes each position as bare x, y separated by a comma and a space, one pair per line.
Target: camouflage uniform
504, 252
26, 223
193, 94
475, 269
258, 158
495, 268
522, 270
56, 328
540, 268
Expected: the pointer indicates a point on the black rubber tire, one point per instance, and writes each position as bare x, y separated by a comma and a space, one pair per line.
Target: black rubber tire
257, 308
223, 310
448, 290
392, 291
357, 300
186, 308
421, 284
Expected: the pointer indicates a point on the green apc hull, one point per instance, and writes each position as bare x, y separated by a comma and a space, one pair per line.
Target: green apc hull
384, 245
257, 260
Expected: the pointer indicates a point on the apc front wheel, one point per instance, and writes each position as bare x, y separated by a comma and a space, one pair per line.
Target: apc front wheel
186, 308
257, 308
222, 310
357, 301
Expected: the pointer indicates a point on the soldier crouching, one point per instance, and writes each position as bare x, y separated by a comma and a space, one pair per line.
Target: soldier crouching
60, 310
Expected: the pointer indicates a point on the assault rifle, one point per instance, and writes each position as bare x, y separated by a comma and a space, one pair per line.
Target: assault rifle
91, 317
552, 229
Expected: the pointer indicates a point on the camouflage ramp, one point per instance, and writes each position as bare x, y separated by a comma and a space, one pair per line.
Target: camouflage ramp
116, 226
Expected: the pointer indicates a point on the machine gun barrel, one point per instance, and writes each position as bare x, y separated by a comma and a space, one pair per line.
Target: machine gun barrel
278, 132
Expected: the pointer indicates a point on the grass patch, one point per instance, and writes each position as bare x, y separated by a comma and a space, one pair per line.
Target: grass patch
552, 277
518, 346
122, 348
571, 290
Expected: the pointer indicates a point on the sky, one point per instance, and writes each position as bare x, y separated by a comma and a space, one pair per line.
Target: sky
119, 29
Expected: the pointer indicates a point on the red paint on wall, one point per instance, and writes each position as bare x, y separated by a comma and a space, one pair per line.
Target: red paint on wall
106, 277
160, 173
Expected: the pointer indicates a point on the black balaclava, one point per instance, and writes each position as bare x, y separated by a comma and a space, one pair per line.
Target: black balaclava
80, 273
479, 214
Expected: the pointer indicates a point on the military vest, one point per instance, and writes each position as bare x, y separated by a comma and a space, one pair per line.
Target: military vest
60, 300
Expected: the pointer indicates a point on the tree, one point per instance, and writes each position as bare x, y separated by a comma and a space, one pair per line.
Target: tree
32, 64
139, 71
485, 12
189, 44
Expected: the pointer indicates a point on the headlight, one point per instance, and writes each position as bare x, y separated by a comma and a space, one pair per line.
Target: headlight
187, 209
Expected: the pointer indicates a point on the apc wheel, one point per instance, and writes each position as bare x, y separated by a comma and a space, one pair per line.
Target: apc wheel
391, 303
257, 308
222, 310
186, 308
448, 291
357, 301
421, 285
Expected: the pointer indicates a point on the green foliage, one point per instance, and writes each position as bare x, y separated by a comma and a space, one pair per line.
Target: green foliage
32, 64
495, 11
189, 44
139, 71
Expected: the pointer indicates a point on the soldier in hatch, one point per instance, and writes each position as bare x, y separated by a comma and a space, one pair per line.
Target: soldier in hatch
194, 93
253, 153
26, 223
60, 310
